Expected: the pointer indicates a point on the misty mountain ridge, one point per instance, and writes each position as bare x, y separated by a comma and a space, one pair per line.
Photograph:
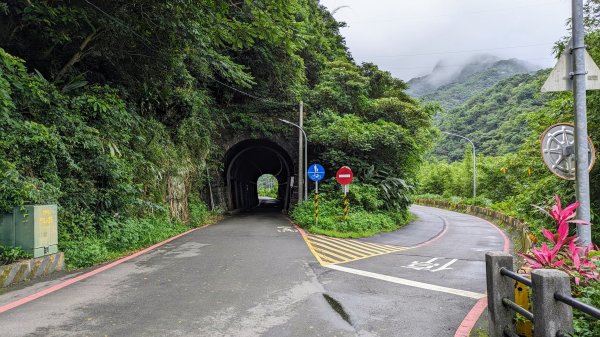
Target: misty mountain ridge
494, 119
447, 73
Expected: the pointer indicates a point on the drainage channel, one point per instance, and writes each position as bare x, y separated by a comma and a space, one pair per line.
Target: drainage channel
337, 307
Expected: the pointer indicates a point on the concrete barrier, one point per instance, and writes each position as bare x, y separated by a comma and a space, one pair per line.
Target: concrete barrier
30, 269
490, 214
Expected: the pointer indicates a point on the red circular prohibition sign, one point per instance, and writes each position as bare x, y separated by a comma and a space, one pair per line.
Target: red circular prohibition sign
344, 175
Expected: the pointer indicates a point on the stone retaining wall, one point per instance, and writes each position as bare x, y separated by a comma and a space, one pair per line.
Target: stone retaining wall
30, 269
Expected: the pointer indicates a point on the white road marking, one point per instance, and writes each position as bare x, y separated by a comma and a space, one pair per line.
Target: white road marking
406, 282
427, 265
283, 229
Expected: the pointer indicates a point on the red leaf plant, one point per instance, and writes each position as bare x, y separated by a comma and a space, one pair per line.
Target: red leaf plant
566, 254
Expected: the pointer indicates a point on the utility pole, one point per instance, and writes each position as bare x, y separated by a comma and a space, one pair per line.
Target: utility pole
474, 161
581, 134
300, 152
302, 133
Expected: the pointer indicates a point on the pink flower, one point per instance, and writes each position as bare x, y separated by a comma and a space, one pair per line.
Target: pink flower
565, 254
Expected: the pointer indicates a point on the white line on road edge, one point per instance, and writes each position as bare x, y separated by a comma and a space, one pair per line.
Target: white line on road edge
406, 282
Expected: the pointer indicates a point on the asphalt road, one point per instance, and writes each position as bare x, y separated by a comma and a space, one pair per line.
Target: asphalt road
254, 275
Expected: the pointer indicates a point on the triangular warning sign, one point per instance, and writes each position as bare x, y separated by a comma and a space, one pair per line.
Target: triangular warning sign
560, 77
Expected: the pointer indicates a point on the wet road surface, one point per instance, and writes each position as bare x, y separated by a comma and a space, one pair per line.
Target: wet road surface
254, 275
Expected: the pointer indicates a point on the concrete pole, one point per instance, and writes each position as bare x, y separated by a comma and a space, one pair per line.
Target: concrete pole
300, 152
474, 161
499, 287
581, 134
550, 315
305, 153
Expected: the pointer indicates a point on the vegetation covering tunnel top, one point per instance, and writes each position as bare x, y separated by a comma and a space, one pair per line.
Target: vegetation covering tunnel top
246, 161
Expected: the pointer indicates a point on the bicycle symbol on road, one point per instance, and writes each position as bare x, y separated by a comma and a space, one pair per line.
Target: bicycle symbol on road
284, 229
429, 265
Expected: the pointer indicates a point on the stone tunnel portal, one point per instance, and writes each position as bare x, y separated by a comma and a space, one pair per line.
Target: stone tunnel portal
245, 162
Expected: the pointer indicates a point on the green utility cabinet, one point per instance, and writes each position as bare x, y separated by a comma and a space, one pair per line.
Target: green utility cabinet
36, 229
7, 230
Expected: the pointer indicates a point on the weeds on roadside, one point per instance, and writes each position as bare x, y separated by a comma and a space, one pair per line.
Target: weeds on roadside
10, 255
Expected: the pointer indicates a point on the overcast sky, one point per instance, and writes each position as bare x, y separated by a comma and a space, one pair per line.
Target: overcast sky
408, 37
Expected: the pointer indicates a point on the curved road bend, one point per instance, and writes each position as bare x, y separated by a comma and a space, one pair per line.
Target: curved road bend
253, 275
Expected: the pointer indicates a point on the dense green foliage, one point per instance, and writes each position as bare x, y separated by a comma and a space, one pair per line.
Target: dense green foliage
267, 186
115, 109
367, 214
367, 122
128, 235
583, 325
12, 254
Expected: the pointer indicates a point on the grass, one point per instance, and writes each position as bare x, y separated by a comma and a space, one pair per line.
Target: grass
360, 234
117, 239
479, 333
360, 223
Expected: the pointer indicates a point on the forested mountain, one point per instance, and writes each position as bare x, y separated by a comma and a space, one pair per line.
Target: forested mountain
466, 86
484, 100
495, 119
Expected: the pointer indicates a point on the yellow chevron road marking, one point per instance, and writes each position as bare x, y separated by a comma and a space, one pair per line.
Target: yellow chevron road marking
376, 248
355, 248
329, 250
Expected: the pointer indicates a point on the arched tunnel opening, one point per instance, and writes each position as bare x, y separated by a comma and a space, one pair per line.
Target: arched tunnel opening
248, 160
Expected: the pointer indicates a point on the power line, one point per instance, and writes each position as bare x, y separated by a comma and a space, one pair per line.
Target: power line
156, 49
266, 100
428, 17
458, 51
461, 65
119, 22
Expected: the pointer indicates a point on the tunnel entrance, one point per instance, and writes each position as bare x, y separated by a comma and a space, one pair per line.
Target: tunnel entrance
246, 162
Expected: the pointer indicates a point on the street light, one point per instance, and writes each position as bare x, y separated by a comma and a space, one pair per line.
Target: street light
301, 179
474, 164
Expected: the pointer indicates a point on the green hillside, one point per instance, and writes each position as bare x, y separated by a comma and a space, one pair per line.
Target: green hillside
496, 119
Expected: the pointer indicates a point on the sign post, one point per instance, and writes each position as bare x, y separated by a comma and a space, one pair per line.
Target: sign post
344, 177
316, 173
577, 71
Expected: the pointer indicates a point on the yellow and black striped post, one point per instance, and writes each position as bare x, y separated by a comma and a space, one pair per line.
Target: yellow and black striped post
316, 203
345, 206
316, 209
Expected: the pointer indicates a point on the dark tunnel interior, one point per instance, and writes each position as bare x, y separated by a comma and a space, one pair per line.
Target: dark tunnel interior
245, 162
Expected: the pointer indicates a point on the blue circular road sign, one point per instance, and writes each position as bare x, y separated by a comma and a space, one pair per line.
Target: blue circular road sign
315, 172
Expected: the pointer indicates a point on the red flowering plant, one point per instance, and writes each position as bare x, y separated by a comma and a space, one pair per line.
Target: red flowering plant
563, 251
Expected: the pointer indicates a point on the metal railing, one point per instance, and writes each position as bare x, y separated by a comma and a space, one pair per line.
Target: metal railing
552, 303
577, 304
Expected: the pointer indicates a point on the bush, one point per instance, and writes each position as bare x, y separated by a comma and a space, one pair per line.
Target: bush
10, 255
85, 252
363, 218
365, 196
583, 325
199, 213
118, 238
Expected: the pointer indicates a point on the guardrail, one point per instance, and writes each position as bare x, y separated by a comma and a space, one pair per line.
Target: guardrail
552, 303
